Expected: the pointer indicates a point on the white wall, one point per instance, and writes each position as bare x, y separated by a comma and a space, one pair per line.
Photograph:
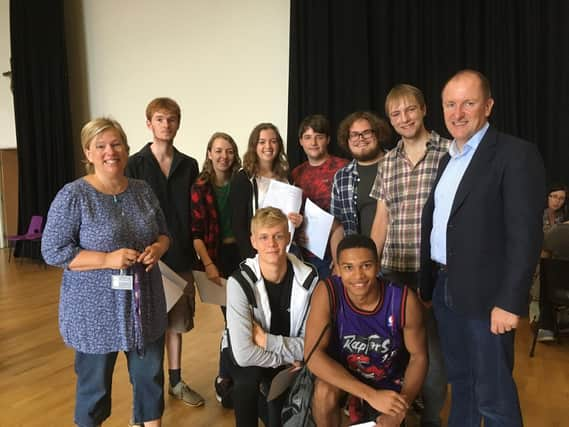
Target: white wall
224, 61
7, 124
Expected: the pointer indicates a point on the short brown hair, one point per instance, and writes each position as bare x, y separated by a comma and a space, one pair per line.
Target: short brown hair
251, 160
93, 128
317, 122
163, 104
268, 217
379, 126
402, 91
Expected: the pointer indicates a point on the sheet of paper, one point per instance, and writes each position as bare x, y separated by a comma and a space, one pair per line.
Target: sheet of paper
368, 424
286, 197
210, 292
173, 285
317, 226
281, 382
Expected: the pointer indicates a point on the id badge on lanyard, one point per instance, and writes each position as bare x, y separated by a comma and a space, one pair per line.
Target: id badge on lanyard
122, 281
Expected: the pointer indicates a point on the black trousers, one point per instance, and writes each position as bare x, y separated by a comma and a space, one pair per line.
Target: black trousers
227, 264
250, 389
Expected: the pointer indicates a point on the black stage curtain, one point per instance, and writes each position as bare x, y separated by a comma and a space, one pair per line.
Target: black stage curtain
346, 55
41, 107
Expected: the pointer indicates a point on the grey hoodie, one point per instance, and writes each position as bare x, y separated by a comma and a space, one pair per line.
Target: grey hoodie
240, 315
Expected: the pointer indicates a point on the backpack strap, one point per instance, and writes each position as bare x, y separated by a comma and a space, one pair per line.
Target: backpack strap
311, 276
245, 277
317, 342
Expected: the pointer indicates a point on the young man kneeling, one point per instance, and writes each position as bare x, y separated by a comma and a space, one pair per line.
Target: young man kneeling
375, 325
267, 306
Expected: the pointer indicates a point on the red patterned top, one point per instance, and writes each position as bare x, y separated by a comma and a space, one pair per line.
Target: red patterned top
316, 181
205, 219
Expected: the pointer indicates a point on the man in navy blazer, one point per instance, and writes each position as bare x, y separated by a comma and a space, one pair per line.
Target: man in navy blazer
480, 241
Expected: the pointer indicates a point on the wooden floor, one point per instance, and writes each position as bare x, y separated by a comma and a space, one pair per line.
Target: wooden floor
37, 379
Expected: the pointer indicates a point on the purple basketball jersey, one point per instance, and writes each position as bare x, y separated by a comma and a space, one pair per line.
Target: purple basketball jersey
370, 343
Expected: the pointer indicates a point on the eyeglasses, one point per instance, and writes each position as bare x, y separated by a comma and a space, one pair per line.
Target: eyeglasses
556, 197
365, 135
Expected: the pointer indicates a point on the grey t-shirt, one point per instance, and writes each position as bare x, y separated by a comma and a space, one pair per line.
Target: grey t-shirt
366, 204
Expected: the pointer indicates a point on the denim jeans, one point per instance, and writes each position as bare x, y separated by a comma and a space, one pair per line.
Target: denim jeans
94, 384
479, 366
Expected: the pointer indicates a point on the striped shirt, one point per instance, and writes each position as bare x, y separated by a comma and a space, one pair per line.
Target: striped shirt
404, 188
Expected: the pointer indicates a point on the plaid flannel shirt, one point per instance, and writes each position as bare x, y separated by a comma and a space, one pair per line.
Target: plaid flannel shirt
405, 188
205, 219
343, 205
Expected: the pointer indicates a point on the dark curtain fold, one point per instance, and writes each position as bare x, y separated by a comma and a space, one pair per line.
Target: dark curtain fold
345, 56
41, 107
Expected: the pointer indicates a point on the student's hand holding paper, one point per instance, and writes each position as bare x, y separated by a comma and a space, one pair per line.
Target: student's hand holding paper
211, 292
212, 273
295, 218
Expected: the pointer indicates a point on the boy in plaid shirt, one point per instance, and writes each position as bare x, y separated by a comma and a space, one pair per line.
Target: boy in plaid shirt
403, 183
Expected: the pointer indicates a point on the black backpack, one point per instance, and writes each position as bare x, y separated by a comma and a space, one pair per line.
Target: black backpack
297, 411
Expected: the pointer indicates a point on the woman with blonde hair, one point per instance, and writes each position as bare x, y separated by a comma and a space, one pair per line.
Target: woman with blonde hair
107, 232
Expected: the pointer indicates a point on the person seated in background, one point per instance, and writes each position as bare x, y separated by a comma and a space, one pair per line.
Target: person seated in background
557, 210
556, 242
376, 325
555, 213
214, 241
265, 159
267, 304
315, 177
107, 232
556, 246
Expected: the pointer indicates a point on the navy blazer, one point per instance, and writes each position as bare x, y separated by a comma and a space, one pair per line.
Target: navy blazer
494, 231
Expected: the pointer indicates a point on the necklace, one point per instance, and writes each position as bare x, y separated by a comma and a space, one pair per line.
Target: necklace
113, 192
107, 189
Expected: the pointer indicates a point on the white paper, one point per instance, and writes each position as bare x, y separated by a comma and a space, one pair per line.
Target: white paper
173, 283
317, 226
286, 197
281, 382
210, 292
368, 424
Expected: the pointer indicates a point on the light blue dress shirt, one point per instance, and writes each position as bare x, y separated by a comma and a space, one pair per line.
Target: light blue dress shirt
446, 191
